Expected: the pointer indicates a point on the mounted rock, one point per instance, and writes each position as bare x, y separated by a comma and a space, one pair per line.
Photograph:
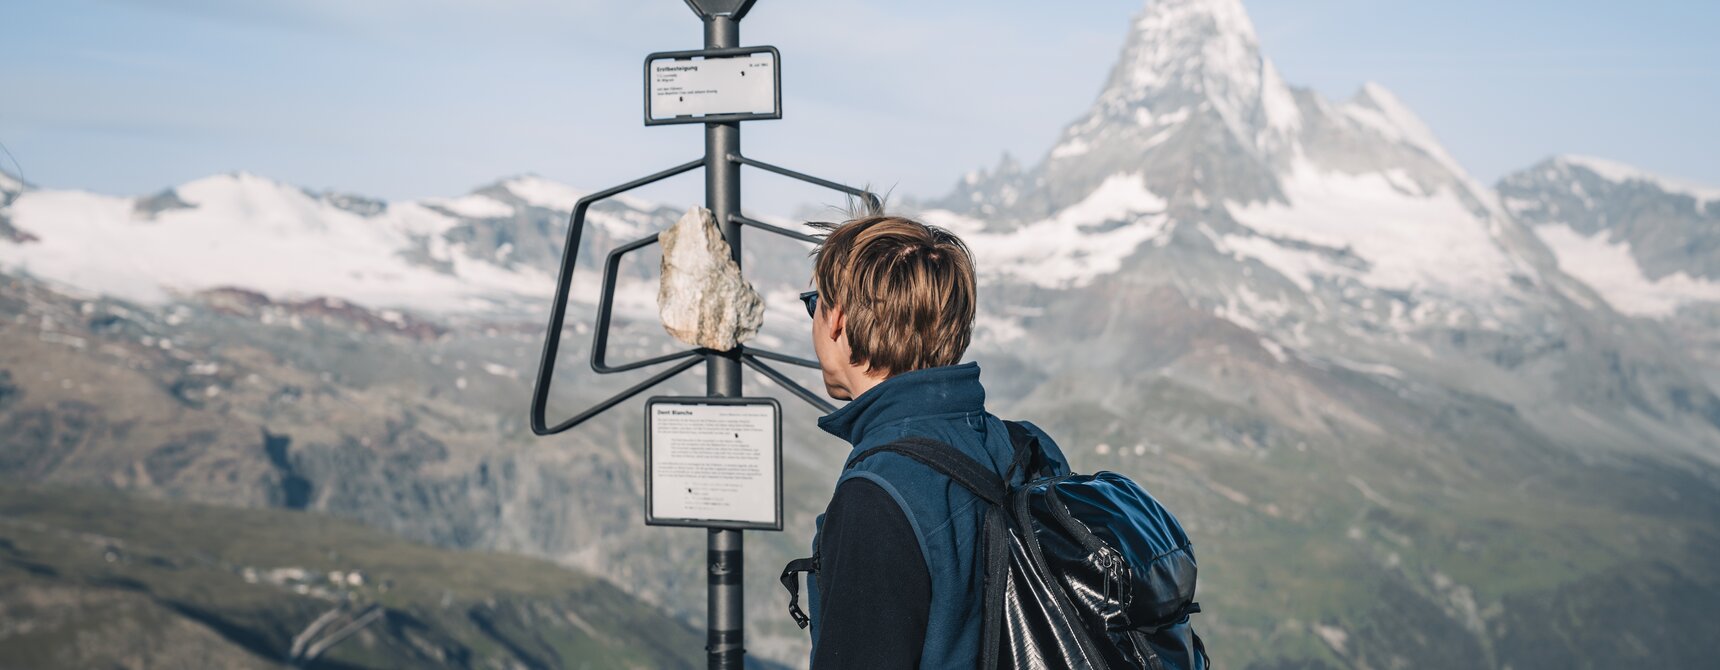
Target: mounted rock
703, 300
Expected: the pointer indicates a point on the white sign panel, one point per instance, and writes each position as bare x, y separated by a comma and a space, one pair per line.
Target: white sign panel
713, 462
705, 87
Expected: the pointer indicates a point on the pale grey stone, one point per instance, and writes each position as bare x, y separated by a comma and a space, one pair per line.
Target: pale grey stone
702, 298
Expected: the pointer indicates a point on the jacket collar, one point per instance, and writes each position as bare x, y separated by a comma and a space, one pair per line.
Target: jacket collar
941, 390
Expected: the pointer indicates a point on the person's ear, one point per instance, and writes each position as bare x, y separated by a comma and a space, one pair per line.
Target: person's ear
834, 317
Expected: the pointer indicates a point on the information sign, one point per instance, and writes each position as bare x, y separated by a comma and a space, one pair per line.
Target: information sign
713, 462
712, 85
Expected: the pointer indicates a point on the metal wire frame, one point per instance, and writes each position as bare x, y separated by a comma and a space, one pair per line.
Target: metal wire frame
558, 311
606, 302
789, 384
871, 199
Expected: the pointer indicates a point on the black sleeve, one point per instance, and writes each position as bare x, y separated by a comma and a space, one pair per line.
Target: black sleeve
874, 592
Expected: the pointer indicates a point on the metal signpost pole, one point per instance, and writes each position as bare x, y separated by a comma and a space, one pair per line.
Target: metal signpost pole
708, 86
724, 627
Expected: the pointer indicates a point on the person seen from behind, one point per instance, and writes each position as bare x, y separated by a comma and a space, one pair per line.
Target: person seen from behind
897, 576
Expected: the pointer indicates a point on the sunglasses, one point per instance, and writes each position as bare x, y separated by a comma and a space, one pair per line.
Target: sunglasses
811, 300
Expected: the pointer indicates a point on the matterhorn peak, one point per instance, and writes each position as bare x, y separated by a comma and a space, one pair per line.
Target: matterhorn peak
1200, 54
1170, 35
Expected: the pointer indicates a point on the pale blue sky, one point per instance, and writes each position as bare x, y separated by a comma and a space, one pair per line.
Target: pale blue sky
411, 98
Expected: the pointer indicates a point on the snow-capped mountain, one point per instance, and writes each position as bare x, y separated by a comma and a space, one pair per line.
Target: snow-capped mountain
494, 251
1197, 152
1197, 148
1213, 271
1648, 244
244, 230
1336, 232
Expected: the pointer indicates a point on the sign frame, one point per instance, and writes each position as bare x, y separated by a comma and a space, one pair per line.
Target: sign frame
738, 52
651, 519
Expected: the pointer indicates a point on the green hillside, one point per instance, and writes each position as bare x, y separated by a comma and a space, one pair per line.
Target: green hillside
92, 578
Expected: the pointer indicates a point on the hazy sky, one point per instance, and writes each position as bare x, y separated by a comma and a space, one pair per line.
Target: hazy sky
410, 98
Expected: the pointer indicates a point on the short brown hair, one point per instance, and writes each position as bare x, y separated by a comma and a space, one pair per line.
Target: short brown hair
905, 288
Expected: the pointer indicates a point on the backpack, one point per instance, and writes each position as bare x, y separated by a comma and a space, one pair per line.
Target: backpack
1081, 571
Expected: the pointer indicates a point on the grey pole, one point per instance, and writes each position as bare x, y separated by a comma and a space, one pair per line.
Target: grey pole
725, 602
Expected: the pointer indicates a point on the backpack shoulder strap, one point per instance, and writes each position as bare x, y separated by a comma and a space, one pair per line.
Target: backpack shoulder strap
943, 458
988, 486
1028, 453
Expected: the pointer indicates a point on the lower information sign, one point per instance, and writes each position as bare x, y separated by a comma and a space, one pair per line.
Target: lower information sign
713, 462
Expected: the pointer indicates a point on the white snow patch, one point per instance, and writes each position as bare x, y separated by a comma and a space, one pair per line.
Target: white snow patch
1118, 196
1300, 266
413, 218
1380, 369
1621, 173
1276, 349
1158, 138
244, 230
1333, 635
540, 192
473, 206
1401, 179
1411, 242
1056, 252
1244, 307
1175, 116
630, 225
553, 195
1074, 147
1612, 271
1282, 114
1517, 206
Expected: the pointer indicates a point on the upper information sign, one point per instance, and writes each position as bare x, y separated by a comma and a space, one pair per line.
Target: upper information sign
712, 85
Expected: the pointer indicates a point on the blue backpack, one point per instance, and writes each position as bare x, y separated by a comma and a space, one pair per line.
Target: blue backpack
1082, 571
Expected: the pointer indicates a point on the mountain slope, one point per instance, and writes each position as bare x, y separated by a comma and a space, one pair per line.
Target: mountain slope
1648, 245
414, 426
94, 578
495, 249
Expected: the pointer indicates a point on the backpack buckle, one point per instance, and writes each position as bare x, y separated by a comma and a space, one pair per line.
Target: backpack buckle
791, 581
